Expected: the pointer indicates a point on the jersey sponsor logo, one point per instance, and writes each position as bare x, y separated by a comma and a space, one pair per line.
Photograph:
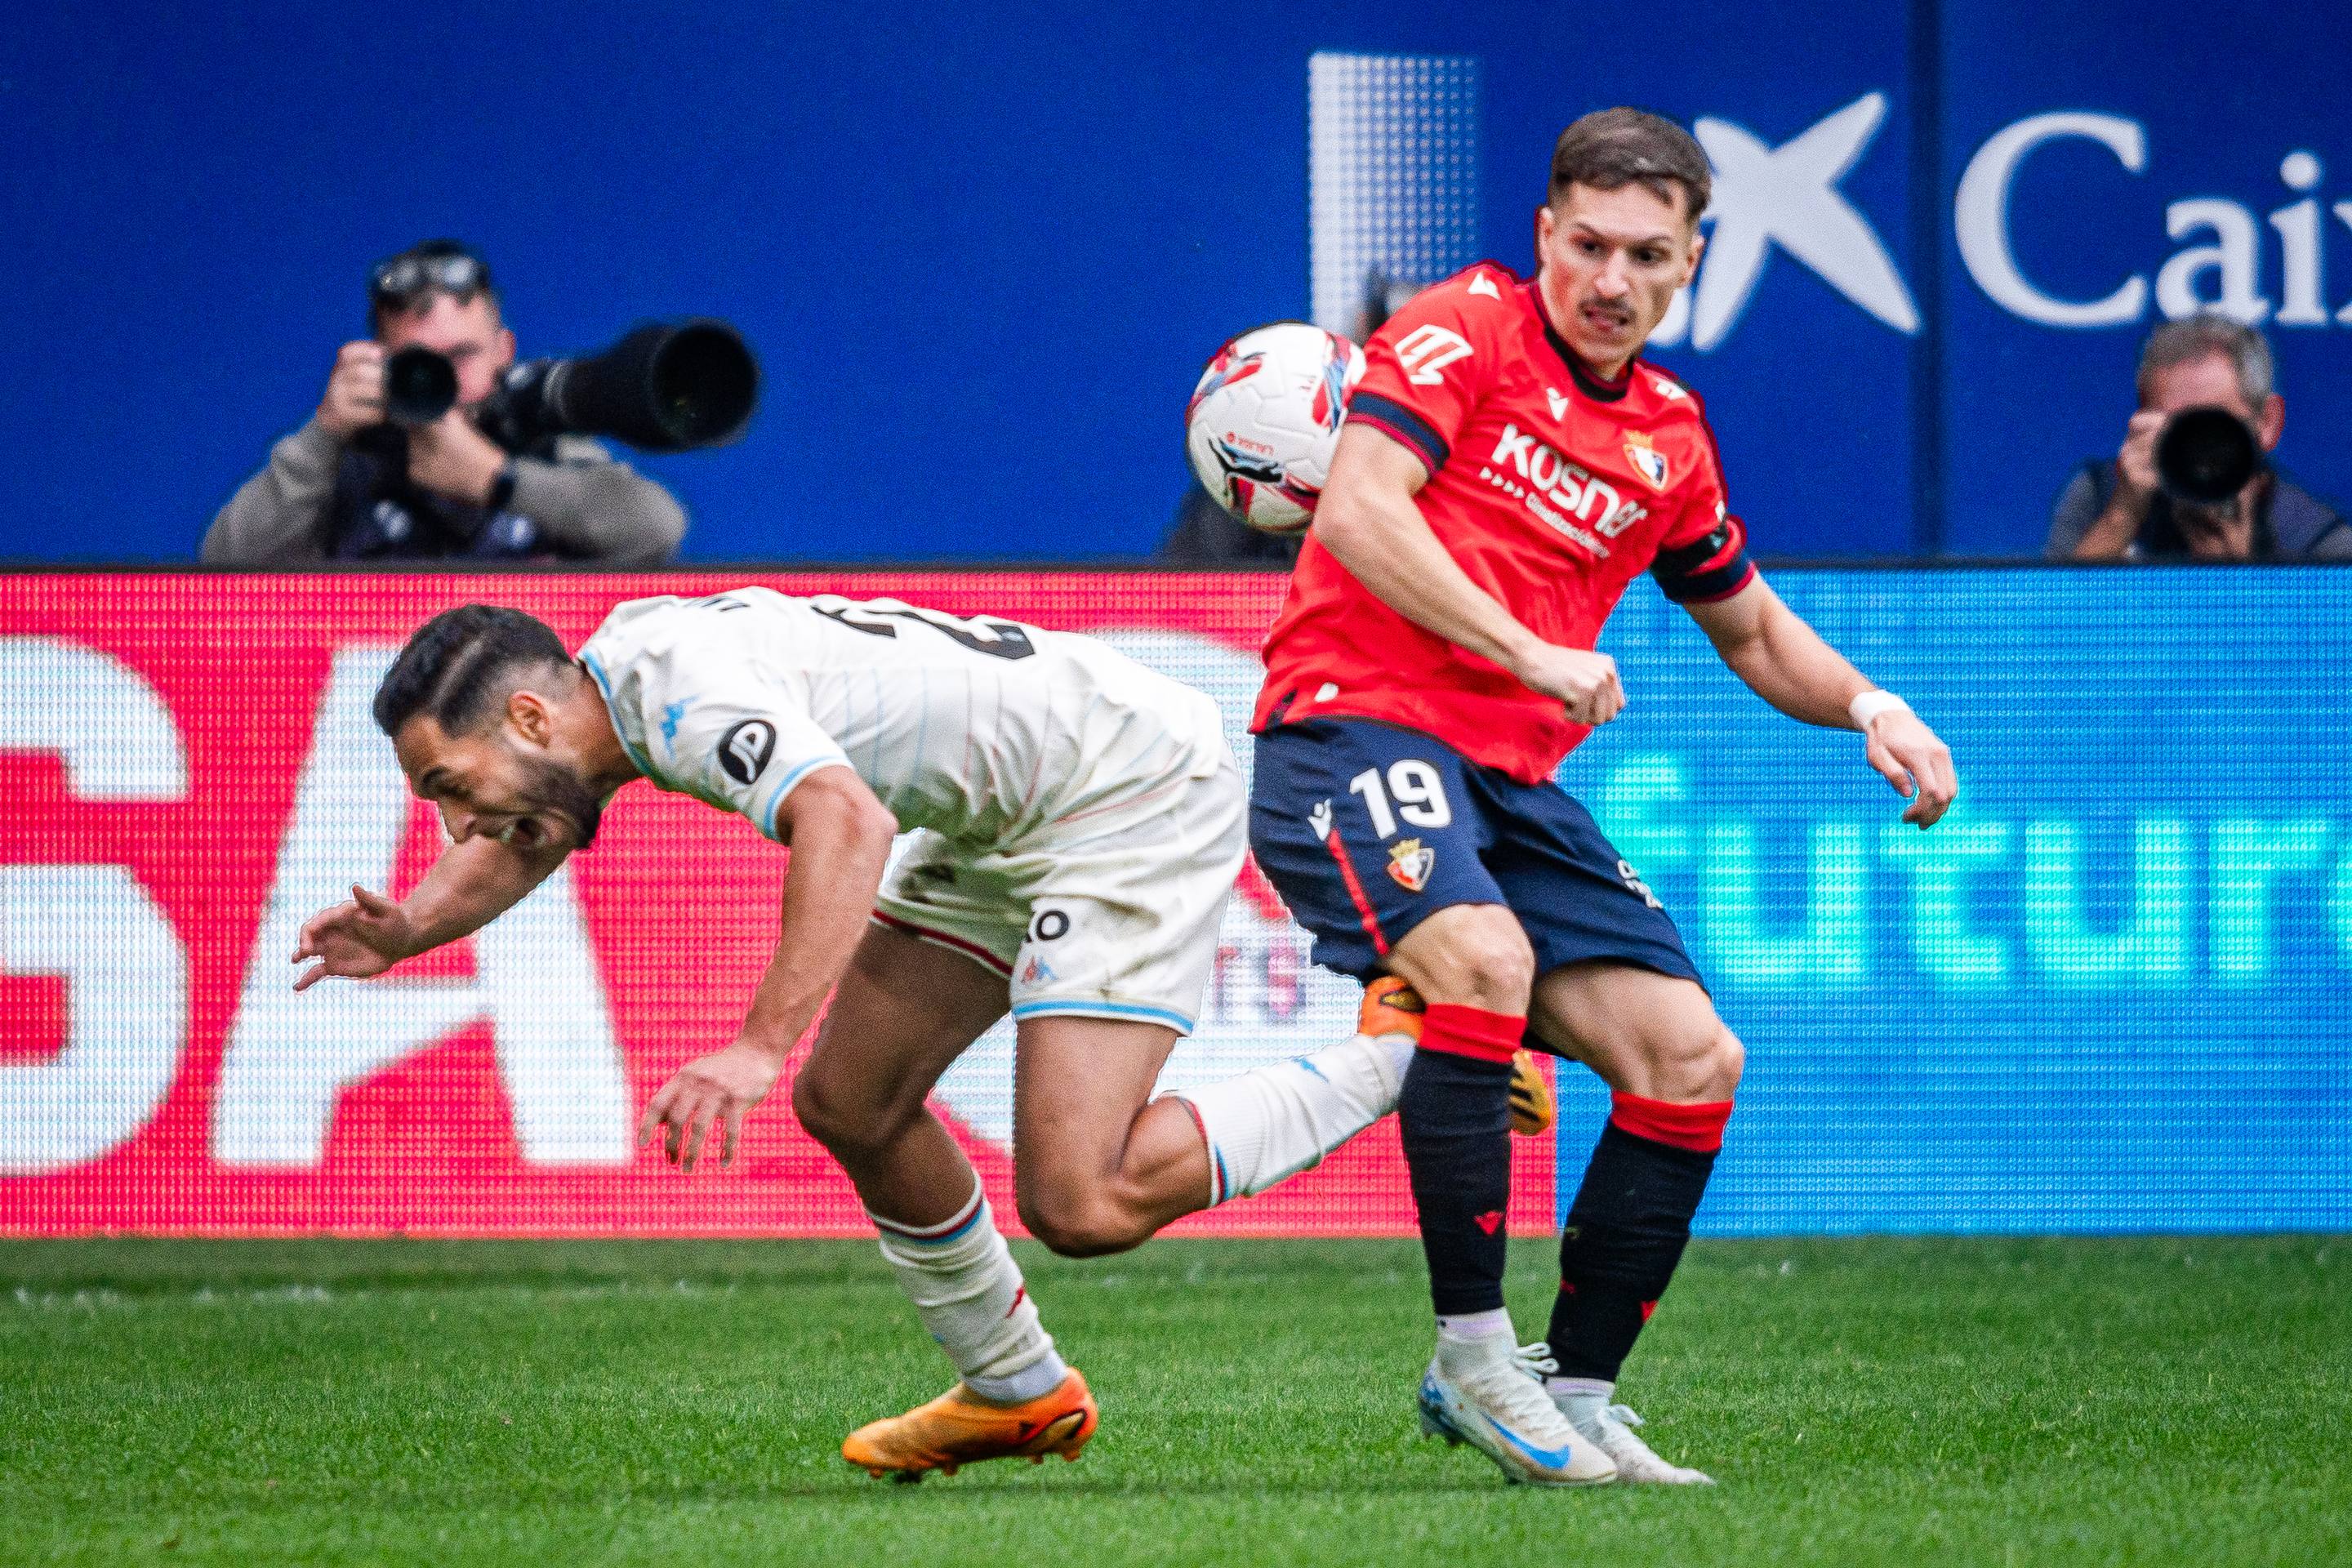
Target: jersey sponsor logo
1565, 495
745, 749
1409, 863
1429, 349
1647, 460
1558, 401
1482, 284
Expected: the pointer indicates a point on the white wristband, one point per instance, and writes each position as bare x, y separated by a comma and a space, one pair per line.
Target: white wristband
1869, 705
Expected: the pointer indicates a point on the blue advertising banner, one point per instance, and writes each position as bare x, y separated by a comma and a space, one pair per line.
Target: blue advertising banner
2113, 990
984, 251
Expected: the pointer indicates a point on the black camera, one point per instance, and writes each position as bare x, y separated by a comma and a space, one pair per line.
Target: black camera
661, 388
2204, 456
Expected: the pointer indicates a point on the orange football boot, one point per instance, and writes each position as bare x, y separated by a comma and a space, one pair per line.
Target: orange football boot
956, 1429
1393, 1007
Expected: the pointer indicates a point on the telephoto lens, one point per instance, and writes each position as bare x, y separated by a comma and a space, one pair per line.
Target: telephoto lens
419, 386
2205, 455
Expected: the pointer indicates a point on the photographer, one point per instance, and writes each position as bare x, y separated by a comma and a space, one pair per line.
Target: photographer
2118, 509
348, 486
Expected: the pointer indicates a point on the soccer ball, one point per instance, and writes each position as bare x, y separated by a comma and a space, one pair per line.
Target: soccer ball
1263, 422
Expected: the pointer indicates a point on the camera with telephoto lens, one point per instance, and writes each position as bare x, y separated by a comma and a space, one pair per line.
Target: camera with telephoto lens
663, 388
2204, 456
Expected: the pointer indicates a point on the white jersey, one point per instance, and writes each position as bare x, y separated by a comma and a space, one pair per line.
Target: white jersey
981, 730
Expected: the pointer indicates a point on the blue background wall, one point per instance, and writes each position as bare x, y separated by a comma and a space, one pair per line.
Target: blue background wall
984, 249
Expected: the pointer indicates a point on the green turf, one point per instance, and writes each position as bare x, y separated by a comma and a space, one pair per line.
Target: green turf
1920, 1403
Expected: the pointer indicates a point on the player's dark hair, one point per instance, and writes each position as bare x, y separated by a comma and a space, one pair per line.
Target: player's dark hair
459, 662
1612, 148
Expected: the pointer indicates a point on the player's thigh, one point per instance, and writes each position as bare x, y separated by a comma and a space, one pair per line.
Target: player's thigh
1644, 1032
1371, 833
1078, 1083
905, 1010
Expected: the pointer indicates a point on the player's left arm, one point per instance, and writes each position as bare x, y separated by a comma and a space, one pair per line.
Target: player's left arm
1784, 661
840, 836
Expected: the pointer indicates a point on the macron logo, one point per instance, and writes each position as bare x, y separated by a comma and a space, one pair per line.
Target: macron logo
1482, 284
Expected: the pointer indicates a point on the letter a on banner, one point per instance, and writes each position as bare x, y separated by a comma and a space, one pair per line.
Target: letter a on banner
290, 1057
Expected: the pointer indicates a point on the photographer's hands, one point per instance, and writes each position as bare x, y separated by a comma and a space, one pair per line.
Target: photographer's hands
451, 457
355, 396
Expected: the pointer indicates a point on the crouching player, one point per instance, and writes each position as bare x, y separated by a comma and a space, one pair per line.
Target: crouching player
1508, 464
1081, 824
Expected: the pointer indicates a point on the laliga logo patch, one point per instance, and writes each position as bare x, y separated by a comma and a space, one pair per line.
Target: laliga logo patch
744, 750
1647, 460
1410, 862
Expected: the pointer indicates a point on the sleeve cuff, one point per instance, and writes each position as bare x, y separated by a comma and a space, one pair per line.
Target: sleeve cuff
1400, 424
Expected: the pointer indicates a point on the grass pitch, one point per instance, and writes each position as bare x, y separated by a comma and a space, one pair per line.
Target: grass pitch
1862, 1401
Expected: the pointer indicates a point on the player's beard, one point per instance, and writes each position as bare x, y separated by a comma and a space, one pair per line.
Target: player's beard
556, 791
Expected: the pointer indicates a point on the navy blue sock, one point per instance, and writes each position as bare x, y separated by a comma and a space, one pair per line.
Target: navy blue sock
1624, 1234
1456, 1115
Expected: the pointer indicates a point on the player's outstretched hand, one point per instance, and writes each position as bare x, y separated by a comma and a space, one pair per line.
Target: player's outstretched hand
1585, 682
706, 1096
364, 937
1920, 766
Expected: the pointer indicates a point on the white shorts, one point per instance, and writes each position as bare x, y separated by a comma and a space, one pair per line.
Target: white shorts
1112, 914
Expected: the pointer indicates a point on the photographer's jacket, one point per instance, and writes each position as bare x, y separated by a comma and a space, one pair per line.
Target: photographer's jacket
324, 499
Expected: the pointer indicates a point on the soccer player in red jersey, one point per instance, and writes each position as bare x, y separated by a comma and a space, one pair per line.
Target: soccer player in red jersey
1508, 464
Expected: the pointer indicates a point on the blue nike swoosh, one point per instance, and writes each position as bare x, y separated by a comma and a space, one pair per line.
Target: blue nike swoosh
1555, 1459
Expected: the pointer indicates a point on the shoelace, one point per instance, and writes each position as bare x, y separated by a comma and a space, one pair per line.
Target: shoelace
1519, 1392
1537, 1362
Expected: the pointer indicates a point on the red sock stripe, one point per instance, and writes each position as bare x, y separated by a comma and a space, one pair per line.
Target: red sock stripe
1698, 1128
1471, 1032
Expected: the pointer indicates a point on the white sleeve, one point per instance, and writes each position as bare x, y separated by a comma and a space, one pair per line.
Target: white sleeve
744, 751
716, 729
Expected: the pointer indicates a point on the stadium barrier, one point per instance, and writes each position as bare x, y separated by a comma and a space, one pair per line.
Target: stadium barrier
2110, 993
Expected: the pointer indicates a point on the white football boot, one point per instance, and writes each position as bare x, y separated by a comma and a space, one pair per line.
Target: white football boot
1610, 1427
1481, 1393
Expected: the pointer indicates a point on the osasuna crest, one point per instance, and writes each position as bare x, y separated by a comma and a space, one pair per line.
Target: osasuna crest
1647, 460
1410, 862
744, 750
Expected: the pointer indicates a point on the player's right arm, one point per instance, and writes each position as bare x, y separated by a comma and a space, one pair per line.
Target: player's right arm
840, 836
1371, 524
476, 880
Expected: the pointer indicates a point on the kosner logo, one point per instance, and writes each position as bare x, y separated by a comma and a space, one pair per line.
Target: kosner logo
1788, 197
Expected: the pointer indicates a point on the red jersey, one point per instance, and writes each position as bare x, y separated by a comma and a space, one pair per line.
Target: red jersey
1549, 486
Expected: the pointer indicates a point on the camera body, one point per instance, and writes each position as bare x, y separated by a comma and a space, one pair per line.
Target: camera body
661, 388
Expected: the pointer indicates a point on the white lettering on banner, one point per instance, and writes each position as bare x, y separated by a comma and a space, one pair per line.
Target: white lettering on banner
1981, 219
115, 736
289, 1057
125, 969
1787, 195
2234, 254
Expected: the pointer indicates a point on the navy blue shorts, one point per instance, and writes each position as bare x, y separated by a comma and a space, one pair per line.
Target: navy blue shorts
1367, 830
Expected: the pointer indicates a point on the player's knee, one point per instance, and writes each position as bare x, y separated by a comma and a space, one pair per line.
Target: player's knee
1481, 963
1698, 1062
848, 1124
1081, 1224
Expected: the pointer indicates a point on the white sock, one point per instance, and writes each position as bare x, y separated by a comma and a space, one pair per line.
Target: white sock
1466, 1326
968, 1292
1581, 1399
1278, 1120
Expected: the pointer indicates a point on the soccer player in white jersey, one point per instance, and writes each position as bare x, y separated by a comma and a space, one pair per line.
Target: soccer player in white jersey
1080, 823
